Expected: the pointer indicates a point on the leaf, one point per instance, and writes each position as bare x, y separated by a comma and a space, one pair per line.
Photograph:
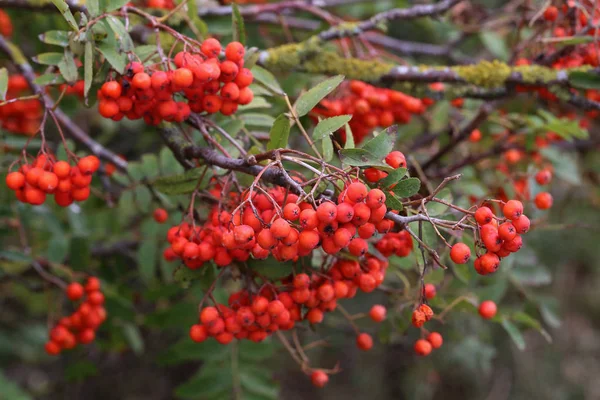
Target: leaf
57, 38
88, 73
531, 322
58, 248
267, 79
15, 256
495, 44
144, 52
514, 334
381, 145
271, 268
565, 165
327, 149
121, 34
360, 158
11, 391
392, 202
349, 137
110, 5
93, 7
392, 178
49, 79
329, 125
134, 337
532, 275
49, 58
260, 120
239, 31
311, 98
257, 102
115, 59
584, 80
407, 187
63, 7
3, 83
67, 67
79, 253
147, 251
279, 134
182, 183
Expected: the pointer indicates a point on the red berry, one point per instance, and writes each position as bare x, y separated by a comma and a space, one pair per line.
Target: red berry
15, 180
364, 341
543, 177
430, 291
211, 47
423, 347
234, 51
484, 215
396, 159
377, 313
160, 215
460, 253
543, 200
487, 309
319, 379
435, 339
513, 209
74, 291
356, 192
198, 333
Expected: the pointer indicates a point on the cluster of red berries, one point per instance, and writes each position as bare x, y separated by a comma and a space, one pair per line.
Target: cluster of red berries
208, 82
300, 297
370, 107
276, 224
81, 326
6, 27
395, 159
500, 240
32, 182
423, 347
21, 116
420, 315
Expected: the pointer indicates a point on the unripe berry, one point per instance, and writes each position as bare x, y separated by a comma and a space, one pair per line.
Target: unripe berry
487, 309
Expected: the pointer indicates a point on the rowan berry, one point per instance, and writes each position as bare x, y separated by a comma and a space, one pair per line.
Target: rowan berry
489, 262
377, 313
507, 230
430, 291
460, 253
356, 192
364, 341
244, 78
484, 215
211, 47
183, 77
74, 291
551, 13
198, 333
487, 309
513, 209
141, 81
543, 177
435, 339
543, 200
375, 199
396, 159
15, 180
52, 348
521, 224
111, 90
319, 379
423, 347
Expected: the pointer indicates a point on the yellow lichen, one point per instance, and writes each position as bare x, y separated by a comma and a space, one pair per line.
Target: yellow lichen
486, 74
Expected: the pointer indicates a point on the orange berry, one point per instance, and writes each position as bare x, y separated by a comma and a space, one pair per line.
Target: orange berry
423, 347
111, 89
513, 209
377, 313
211, 47
234, 51
435, 339
15, 180
183, 77
460, 253
62, 169
543, 200
430, 291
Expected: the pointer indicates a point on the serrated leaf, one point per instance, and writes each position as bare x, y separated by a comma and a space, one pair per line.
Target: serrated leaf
93, 7
514, 333
311, 98
57, 38
329, 125
88, 72
67, 67
392, 178
584, 80
144, 52
117, 60
392, 202
267, 79
279, 134
239, 31
260, 120
349, 137
327, 149
49, 58
49, 79
182, 183
407, 187
3, 83
360, 158
63, 7
381, 145
121, 34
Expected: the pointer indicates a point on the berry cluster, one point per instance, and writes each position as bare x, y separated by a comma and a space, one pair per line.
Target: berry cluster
423, 347
81, 326
47, 176
275, 224
370, 107
395, 159
210, 83
300, 297
21, 116
500, 240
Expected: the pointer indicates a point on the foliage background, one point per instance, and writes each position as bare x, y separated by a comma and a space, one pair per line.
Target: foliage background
143, 350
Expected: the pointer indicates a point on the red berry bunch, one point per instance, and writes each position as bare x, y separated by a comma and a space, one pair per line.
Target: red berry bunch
22, 116
211, 80
500, 240
81, 326
398, 243
299, 297
281, 226
32, 182
423, 347
370, 107
395, 159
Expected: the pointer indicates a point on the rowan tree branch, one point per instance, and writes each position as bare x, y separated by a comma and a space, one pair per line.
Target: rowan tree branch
75, 131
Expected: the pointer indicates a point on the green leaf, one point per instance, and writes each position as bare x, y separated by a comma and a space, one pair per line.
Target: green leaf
381, 145
88, 73
79, 253
3, 83
392, 202
327, 149
310, 99
329, 125
532, 275
407, 187
110, 5
117, 60
584, 80
531, 322
267, 79
49, 58
349, 138
495, 44
64, 9
435, 208
239, 31
80, 371
145, 52
93, 7
67, 67
257, 102
147, 251
260, 120
12, 391
149, 165
565, 165
15, 256
392, 178
57, 38
121, 34
271, 268
360, 158
182, 183
134, 337
58, 248
211, 380
279, 134
49, 79
514, 333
